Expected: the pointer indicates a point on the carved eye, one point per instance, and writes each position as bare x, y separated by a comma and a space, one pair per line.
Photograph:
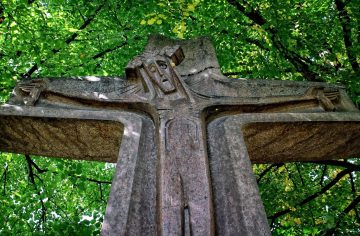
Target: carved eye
162, 64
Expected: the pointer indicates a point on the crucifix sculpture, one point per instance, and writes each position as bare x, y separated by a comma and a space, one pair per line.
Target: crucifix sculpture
183, 136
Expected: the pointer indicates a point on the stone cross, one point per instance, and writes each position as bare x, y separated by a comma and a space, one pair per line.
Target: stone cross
183, 136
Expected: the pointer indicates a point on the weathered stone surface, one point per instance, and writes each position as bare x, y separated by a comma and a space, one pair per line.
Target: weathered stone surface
70, 138
183, 135
300, 136
302, 141
238, 207
131, 208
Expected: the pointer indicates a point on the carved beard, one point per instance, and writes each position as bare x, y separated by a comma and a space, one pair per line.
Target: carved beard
161, 73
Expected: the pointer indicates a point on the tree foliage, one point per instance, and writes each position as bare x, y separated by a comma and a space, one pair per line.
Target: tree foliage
287, 40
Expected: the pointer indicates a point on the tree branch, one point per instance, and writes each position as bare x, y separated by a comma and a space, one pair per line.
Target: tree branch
103, 53
296, 60
35, 165
347, 165
100, 54
262, 174
32, 180
35, 67
344, 19
252, 14
101, 193
313, 196
350, 207
30, 171
353, 189
257, 43
40, 171
85, 24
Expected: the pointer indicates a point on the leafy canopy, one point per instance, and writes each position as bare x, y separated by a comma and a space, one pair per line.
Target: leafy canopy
285, 40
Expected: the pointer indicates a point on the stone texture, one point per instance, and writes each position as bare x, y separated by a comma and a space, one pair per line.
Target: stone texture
302, 141
183, 136
69, 138
238, 207
300, 136
268, 138
131, 208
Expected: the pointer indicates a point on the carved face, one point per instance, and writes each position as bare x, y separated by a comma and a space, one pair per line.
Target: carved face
160, 71
156, 68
